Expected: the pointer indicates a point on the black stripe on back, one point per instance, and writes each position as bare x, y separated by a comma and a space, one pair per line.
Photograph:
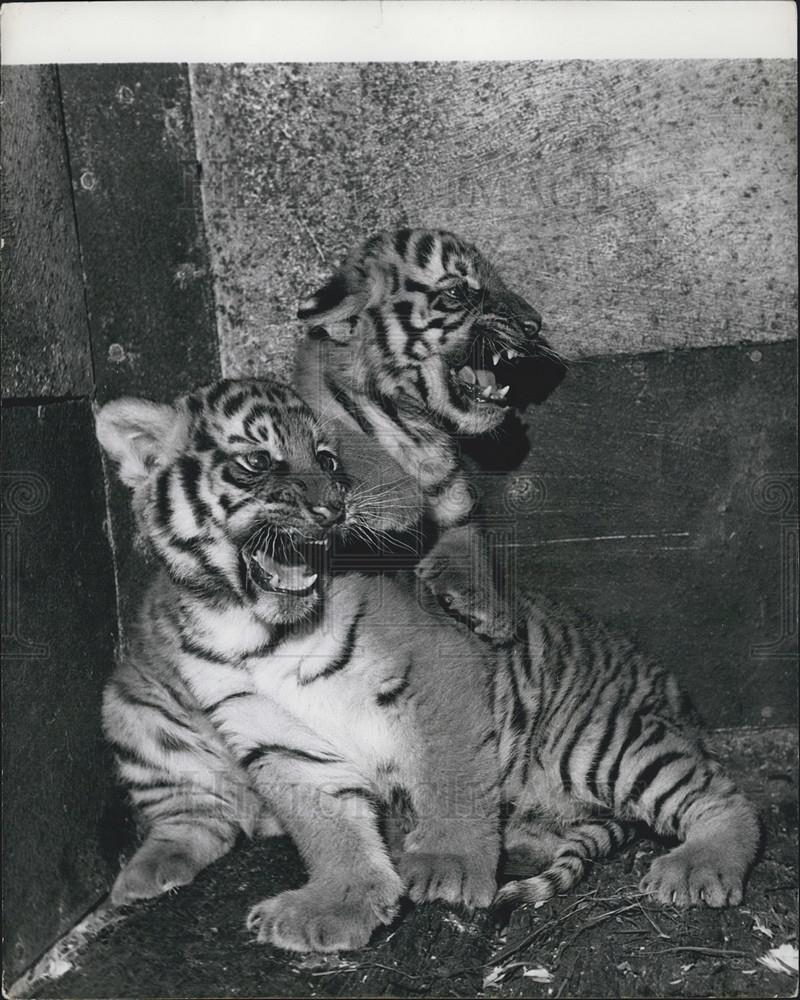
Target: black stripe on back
524, 647
647, 775
602, 748
691, 796
519, 716
659, 803
633, 734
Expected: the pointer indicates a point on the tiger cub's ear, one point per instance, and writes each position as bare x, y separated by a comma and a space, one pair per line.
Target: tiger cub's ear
341, 297
139, 435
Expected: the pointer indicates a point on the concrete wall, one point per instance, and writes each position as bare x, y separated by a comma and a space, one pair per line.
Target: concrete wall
639, 205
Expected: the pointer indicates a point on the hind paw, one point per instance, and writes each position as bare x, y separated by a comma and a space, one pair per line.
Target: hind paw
694, 874
153, 870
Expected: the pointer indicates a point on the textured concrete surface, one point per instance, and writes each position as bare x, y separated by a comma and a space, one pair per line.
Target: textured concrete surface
59, 632
639, 205
45, 334
597, 941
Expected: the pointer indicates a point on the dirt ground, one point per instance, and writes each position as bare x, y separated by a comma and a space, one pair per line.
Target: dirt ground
603, 940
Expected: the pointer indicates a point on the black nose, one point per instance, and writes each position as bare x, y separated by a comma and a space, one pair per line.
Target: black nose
328, 514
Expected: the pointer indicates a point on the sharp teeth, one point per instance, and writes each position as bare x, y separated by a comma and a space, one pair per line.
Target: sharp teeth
496, 359
487, 392
510, 353
309, 580
502, 393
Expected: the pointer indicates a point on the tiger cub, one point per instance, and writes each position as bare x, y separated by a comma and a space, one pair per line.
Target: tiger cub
261, 694
417, 341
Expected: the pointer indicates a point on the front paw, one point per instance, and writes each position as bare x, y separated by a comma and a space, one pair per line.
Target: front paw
326, 918
473, 602
693, 874
156, 868
454, 878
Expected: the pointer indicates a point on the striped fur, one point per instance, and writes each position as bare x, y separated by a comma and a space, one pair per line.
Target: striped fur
288, 702
594, 736
415, 341
590, 732
261, 695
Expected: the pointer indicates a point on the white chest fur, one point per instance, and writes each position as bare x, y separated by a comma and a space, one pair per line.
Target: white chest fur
340, 709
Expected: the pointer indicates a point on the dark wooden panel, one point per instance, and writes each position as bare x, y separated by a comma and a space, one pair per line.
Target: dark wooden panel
131, 147
59, 627
45, 334
660, 496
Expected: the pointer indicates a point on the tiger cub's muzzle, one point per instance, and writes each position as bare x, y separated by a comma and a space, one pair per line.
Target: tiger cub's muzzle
507, 364
286, 561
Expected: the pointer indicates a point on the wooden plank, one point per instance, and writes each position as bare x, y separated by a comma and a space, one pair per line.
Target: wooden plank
131, 148
59, 631
46, 349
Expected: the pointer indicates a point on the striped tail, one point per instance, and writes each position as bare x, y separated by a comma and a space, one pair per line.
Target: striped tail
578, 845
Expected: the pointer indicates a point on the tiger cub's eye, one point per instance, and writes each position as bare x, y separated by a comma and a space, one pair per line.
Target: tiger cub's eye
327, 461
256, 461
461, 294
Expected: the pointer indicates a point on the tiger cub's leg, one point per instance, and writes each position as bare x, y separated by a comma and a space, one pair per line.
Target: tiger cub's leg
559, 856
188, 795
458, 571
720, 830
327, 806
652, 769
352, 886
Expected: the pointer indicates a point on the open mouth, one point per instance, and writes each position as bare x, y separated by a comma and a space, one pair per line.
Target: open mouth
286, 563
507, 377
482, 384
